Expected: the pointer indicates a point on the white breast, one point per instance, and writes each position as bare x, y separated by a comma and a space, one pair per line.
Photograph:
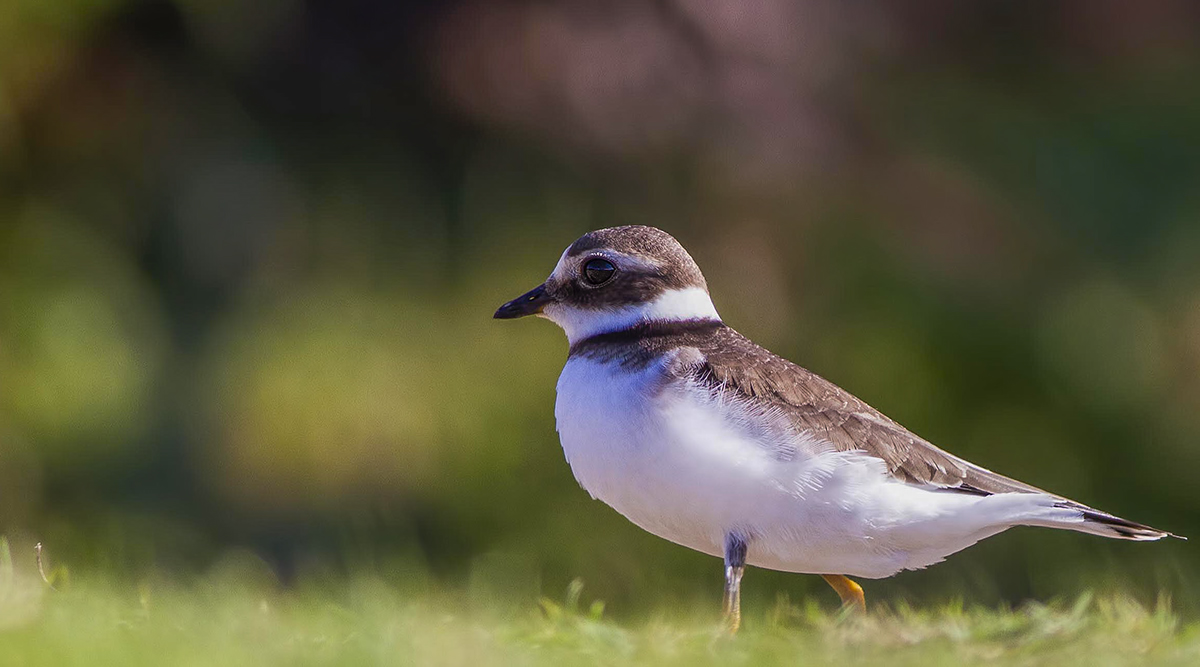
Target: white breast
691, 465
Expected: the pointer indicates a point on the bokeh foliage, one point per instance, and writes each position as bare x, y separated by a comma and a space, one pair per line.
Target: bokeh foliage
249, 252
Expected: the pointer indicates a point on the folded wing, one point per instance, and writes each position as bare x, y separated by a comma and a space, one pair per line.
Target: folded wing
729, 361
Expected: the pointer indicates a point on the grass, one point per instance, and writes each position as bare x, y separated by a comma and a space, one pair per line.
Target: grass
241, 618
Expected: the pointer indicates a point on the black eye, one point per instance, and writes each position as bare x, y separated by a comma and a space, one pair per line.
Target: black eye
598, 271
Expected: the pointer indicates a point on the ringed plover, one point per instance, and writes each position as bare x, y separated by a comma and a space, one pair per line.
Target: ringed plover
700, 436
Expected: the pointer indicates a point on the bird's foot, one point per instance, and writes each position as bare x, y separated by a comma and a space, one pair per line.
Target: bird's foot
849, 591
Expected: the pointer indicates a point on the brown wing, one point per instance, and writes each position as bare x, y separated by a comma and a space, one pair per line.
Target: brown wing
712, 353
816, 405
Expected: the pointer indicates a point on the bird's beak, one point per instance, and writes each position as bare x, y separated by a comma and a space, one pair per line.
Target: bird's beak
529, 303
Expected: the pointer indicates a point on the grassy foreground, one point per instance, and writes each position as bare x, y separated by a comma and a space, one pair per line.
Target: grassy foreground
235, 621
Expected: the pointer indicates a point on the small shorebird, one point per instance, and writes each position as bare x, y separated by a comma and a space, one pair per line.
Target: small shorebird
701, 437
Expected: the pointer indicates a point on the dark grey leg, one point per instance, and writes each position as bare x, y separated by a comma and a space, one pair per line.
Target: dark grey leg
735, 565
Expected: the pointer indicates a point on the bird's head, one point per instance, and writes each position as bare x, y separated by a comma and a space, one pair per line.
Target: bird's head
614, 278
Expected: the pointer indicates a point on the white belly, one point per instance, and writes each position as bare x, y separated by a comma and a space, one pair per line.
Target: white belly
691, 468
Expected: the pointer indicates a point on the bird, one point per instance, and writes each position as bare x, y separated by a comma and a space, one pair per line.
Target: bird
702, 437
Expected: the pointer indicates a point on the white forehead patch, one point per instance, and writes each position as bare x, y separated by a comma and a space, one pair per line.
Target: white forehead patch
560, 269
692, 303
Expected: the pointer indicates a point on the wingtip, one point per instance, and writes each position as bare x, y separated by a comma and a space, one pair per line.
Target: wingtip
1154, 535
1124, 528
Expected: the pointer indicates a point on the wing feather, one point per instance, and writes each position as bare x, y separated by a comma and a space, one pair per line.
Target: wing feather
711, 353
816, 405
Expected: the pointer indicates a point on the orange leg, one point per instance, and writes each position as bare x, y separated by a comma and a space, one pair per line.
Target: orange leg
850, 592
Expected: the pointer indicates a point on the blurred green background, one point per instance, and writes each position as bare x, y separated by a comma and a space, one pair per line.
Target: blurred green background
249, 253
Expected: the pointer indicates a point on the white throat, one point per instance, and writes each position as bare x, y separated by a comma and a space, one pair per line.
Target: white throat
692, 303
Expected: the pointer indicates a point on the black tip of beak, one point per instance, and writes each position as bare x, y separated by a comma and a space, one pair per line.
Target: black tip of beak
529, 303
